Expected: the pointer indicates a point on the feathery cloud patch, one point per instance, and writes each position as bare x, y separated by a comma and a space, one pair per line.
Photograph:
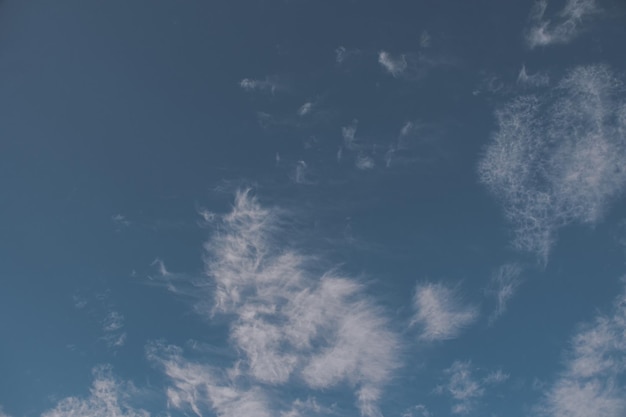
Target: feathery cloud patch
108, 398
558, 158
112, 326
395, 65
465, 388
462, 387
564, 28
440, 313
538, 79
504, 283
289, 323
266, 85
592, 383
305, 108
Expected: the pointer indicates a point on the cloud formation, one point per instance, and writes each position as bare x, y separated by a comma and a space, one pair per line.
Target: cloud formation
290, 324
266, 85
565, 26
440, 313
504, 283
558, 157
592, 383
395, 65
112, 326
465, 388
108, 398
538, 79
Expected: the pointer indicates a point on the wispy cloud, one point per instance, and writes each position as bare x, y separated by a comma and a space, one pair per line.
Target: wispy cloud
289, 323
108, 397
462, 387
564, 27
592, 383
419, 410
465, 388
364, 162
440, 313
112, 327
504, 283
395, 65
557, 158
538, 79
425, 39
2, 413
305, 109
265, 85
348, 133
343, 54
120, 221
198, 387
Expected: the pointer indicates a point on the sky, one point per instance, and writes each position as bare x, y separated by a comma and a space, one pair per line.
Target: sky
300, 208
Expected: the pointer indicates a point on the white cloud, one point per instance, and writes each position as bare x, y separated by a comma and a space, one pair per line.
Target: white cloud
340, 54
108, 398
557, 158
305, 108
395, 65
364, 162
112, 326
496, 377
120, 221
564, 27
160, 265
425, 39
268, 84
288, 323
462, 387
538, 79
198, 387
419, 410
592, 383
2, 413
300, 173
504, 283
348, 133
440, 313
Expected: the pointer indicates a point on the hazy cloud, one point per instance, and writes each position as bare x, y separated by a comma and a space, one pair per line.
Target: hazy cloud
395, 65
558, 158
592, 383
266, 85
289, 322
108, 398
504, 283
120, 221
465, 388
425, 39
364, 162
440, 312
563, 27
538, 79
305, 108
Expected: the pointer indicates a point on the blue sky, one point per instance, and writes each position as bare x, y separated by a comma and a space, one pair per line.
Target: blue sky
302, 208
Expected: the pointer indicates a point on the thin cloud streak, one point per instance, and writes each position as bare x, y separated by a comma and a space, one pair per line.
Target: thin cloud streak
504, 284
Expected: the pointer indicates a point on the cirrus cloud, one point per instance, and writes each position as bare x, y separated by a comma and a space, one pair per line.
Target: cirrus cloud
558, 157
